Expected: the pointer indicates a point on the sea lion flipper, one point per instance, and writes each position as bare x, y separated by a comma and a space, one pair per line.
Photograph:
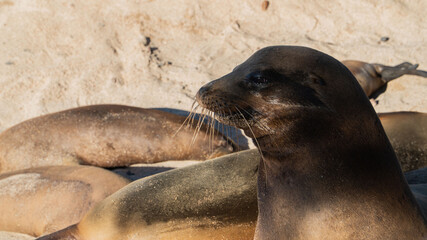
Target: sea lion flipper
389, 73
417, 72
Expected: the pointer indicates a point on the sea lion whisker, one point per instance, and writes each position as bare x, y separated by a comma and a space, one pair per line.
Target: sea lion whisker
250, 128
212, 131
216, 131
217, 124
222, 127
210, 128
207, 121
187, 119
193, 110
231, 118
257, 143
199, 126
237, 137
260, 124
196, 127
194, 114
254, 120
228, 134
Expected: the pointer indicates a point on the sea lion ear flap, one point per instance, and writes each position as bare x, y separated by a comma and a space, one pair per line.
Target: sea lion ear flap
313, 78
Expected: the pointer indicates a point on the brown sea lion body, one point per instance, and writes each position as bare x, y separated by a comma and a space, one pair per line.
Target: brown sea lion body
372, 76
407, 132
328, 170
106, 136
215, 199
46, 199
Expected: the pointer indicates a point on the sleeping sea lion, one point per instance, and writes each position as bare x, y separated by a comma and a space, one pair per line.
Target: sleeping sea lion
107, 136
46, 199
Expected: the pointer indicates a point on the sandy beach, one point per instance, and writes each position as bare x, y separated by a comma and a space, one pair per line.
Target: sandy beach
59, 55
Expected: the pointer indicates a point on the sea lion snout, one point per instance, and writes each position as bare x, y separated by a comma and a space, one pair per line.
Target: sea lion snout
203, 90
203, 93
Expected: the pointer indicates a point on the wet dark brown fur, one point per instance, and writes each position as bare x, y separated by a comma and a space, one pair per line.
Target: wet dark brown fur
106, 136
328, 170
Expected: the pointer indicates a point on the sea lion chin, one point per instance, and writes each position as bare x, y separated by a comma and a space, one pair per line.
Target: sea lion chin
328, 169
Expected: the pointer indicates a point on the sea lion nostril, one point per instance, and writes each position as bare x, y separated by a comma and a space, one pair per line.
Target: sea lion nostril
202, 92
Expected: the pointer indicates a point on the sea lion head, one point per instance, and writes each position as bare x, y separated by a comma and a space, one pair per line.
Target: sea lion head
281, 88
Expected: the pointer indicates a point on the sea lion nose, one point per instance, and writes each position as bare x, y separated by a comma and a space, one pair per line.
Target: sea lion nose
203, 90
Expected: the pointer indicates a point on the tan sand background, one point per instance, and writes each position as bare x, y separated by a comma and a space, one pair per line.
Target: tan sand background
56, 55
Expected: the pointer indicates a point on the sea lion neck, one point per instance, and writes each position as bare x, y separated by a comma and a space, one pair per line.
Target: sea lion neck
330, 145
330, 189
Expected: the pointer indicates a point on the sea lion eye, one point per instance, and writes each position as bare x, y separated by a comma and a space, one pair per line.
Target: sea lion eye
316, 79
257, 78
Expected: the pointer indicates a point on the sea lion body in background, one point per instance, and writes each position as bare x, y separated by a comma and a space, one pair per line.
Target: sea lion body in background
328, 170
106, 136
45, 199
372, 76
407, 132
215, 199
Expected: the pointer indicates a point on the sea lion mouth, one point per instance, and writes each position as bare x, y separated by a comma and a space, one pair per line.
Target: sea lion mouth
236, 115
252, 122
228, 111
247, 119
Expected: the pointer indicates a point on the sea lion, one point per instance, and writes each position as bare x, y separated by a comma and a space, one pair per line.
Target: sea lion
328, 170
107, 136
46, 199
407, 132
187, 203
372, 76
